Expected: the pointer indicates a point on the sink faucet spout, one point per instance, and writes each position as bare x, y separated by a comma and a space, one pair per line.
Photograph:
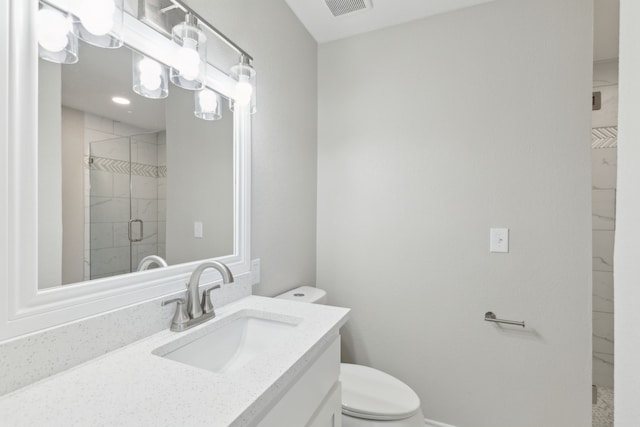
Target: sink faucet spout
193, 298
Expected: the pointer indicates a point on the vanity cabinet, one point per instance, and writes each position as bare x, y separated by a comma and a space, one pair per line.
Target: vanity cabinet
314, 400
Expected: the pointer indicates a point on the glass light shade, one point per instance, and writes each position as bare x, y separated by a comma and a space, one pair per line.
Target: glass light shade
208, 105
189, 66
56, 39
245, 91
150, 78
100, 22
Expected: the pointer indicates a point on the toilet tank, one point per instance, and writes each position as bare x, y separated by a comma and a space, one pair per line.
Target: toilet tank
305, 294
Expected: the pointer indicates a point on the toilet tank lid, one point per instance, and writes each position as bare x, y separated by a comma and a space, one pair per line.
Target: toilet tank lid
372, 394
304, 294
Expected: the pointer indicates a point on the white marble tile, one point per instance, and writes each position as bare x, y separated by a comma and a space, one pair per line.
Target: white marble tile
125, 129
162, 155
162, 210
109, 261
101, 235
145, 250
86, 177
148, 138
93, 136
101, 183
607, 115
87, 264
162, 251
116, 149
104, 209
603, 242
603, 209
147, 153
162, 232
144, 187
120, 234
603, 291
121, 187
150, 233
603, 369
148, 210
603, 332
102, 124
604, 168
162, 188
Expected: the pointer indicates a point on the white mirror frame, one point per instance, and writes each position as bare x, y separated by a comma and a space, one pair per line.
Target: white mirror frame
23, 307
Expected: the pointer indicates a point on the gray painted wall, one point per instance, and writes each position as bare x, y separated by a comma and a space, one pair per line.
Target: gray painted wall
199, 181
430, 133
49, 176
284, 147
73, 196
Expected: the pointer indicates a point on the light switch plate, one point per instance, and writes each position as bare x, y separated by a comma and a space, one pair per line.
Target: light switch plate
499, 240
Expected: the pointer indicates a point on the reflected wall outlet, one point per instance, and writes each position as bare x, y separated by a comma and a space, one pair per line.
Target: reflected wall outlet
499, 240
197, 230
255, 271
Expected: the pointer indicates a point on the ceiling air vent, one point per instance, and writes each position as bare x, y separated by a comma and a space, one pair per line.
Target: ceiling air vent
344, 7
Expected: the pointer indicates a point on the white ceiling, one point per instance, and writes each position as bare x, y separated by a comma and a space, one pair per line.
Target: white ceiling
324, 27
606, 28
101, 74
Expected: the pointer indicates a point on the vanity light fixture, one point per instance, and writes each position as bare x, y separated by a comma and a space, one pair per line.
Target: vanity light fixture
245, 90
120, 100
188, 69
57, 41
100, 22
208, 105
150, 78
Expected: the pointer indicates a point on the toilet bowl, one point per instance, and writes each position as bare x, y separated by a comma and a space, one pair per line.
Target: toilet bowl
370, 398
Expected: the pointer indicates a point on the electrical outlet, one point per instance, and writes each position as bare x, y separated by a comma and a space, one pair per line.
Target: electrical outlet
255, 271
499, 240
198, 232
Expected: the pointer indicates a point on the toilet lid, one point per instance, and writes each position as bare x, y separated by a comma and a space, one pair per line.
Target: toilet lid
374, 395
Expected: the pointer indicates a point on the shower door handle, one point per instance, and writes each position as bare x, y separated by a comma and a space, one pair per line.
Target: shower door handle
131, 239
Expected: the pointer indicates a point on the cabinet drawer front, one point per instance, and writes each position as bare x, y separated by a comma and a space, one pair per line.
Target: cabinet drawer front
303, 399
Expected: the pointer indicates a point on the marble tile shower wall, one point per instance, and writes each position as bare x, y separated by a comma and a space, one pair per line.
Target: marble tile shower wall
113, 200
604, 201
604, 171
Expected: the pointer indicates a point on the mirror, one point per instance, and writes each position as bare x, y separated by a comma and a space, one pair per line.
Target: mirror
120, 182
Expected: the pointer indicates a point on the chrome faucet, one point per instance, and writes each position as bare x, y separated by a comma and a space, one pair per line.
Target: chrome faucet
148, 261
197, 311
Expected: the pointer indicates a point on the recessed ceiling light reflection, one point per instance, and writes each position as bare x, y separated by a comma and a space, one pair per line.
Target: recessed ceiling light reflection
120, 100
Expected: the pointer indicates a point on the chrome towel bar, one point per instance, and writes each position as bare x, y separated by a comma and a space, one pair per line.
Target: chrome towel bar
489, 316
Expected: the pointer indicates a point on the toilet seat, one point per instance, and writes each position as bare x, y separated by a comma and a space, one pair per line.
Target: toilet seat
371, 394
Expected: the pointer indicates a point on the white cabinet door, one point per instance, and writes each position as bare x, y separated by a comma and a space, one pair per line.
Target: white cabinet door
330, 412
301, 402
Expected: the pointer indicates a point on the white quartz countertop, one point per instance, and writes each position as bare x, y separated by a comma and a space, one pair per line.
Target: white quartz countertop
134, 387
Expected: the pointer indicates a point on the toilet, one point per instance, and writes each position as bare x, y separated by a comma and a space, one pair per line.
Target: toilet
370, 398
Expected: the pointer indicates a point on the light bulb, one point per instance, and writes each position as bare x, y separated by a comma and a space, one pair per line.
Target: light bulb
97, 16
243, 93
53, 30
208, 100
188, 61
150, 74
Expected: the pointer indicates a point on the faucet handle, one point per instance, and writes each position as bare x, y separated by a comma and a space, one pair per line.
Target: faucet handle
207, 305
181, 317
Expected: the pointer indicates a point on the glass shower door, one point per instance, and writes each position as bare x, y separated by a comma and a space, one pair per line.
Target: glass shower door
110, 208
126, 203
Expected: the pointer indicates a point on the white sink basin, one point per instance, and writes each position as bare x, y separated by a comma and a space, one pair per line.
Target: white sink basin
233, 344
